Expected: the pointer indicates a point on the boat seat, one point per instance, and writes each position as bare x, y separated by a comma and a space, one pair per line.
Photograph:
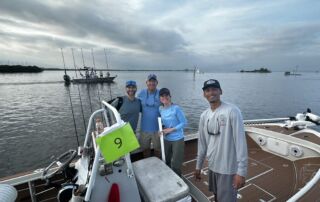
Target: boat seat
157, 182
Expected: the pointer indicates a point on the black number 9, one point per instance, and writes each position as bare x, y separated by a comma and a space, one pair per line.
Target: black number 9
118, 142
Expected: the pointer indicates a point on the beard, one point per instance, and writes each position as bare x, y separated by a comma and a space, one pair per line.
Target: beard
214, 99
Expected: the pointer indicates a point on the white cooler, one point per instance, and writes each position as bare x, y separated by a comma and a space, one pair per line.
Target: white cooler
157, 182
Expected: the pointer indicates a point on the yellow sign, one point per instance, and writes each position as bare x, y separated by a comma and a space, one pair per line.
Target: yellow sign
117, 143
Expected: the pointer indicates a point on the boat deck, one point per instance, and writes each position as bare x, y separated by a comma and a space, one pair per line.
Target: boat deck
270, 177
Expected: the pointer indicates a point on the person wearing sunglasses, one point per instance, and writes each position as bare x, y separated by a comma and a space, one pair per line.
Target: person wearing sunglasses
150, 102
223, 143
173, 121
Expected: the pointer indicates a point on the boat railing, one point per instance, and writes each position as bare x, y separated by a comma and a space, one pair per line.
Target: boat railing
306, 188
104, 111
262, 121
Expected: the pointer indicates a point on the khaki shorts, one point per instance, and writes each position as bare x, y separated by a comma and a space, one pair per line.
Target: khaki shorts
147, 137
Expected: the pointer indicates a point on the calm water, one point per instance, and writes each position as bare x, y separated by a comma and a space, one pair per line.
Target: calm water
36, 120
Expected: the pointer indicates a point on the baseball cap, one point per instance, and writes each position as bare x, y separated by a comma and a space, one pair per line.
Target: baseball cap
131, 83
164, 91
211, 83
152, 76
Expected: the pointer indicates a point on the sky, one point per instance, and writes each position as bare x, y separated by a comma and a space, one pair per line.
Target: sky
213, 35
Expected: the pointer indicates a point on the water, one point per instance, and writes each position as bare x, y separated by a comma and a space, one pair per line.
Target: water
36, 120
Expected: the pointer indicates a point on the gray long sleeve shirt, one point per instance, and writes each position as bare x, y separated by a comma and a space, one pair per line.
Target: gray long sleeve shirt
226, 147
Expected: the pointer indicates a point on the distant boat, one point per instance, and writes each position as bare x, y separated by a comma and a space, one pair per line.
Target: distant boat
291, 74
89, 75
261, 70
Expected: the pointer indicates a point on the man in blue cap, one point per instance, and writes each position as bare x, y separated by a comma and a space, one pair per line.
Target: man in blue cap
150, 102
129, 106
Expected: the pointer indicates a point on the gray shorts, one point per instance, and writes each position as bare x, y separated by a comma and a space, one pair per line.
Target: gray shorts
147, 137
221, 186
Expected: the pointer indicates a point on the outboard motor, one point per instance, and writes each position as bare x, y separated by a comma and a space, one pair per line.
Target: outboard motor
313, 118
66, 79
303, 120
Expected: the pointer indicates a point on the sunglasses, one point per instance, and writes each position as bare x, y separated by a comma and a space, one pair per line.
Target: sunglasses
216, 128
148, 105
154, 100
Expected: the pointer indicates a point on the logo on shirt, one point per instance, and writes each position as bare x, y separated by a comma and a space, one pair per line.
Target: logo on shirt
222, 120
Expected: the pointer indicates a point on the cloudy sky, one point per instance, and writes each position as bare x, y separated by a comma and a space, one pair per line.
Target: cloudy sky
215, 35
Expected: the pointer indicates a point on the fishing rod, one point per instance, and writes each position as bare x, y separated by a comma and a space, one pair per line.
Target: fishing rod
94, 64
74, 121
81, 105
82, 58
105, 54
74, 63
89, 98
64, 64
66, 77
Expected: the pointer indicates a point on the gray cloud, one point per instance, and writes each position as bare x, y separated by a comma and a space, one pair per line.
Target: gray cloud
135, 40
81, 22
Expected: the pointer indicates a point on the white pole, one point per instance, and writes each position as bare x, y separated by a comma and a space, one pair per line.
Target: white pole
161, 140
306, 188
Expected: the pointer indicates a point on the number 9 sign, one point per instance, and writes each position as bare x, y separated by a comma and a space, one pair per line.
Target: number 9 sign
117, 143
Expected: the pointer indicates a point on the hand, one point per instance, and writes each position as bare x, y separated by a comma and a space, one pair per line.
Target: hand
197, 175
166, 131
238, 181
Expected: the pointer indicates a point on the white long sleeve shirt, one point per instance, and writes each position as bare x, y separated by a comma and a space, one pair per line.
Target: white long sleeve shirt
226, 147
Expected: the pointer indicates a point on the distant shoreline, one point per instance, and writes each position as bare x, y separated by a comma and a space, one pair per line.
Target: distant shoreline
133, 70
36, 69
20, 69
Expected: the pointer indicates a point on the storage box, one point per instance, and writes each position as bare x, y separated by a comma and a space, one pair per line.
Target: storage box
157, 182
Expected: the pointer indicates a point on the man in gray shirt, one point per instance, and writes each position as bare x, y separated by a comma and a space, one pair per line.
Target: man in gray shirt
129, 106
223, 143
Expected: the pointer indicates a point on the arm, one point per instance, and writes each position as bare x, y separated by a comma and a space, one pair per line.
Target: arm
241, 148
182, 119
202, 148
